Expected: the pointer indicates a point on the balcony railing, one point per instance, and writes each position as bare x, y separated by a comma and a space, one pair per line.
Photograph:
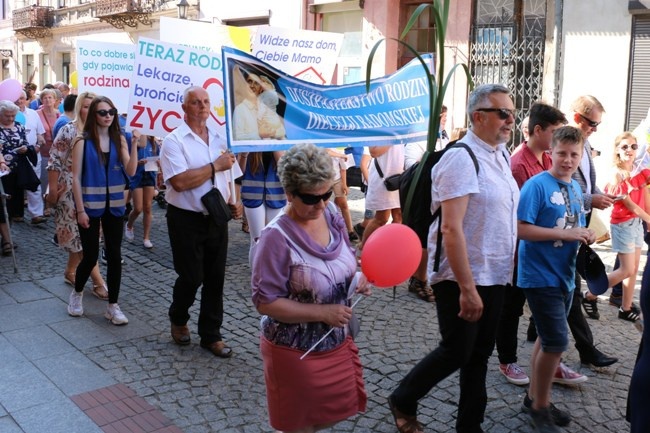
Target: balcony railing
121, 13
33, 21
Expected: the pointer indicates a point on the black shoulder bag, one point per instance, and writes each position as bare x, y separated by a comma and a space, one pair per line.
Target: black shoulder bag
391, 182
217, 207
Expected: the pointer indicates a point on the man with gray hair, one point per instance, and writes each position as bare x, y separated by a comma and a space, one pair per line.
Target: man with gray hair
194, 158
476, 262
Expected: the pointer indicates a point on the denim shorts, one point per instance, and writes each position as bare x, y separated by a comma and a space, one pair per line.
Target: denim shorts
627, 236
550, 307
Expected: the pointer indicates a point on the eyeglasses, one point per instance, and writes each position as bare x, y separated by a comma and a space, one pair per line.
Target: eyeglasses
503, 113
625, 147
590, 122
311, 199
104, 113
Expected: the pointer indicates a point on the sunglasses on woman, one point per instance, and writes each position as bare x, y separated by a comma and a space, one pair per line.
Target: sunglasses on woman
104, 113
625, 147
311, 199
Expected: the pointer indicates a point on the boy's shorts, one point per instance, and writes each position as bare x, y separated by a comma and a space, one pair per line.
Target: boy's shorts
550, 307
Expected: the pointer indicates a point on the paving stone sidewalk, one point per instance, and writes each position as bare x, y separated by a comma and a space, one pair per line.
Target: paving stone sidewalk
48, 358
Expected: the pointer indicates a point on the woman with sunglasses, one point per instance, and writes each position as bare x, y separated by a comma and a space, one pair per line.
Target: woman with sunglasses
60, 197
629, 186
302, 273
99, 159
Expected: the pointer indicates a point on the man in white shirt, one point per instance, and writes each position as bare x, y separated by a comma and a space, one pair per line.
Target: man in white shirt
479, 227
193, 157
34, 131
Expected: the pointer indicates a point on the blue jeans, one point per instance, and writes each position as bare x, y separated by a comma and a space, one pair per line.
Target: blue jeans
550, 307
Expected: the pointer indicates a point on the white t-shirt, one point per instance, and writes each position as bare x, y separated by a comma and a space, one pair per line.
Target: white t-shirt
183, 150
413, 153
377, 196
33, 125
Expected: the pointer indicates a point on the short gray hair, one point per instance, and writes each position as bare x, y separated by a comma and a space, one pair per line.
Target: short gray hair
8, 106
480, 95
305, 166
50, 92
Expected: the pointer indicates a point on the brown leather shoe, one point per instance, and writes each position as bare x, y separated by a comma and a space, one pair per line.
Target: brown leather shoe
181, 334
218, 348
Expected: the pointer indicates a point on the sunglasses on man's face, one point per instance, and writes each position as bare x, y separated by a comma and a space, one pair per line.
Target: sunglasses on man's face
625, 147
503, 113
590, 122
104, 113
311, 199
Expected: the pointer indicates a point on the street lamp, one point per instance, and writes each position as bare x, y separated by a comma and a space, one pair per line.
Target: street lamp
182, 9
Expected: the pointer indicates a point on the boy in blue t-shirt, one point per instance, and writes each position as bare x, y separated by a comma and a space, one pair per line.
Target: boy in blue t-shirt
551, 225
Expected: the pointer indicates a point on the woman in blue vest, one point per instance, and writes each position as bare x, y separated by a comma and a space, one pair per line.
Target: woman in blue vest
261, 193
100, 158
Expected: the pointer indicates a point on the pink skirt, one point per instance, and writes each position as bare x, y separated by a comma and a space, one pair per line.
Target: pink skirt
323, 388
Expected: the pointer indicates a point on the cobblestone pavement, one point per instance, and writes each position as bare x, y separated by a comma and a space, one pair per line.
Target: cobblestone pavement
201, 393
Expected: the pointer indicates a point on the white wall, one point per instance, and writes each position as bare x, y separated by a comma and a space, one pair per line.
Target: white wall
595, 61
284, 13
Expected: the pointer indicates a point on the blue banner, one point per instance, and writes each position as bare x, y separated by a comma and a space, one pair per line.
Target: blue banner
267, 109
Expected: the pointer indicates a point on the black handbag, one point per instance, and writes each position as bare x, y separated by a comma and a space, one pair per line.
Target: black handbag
391, 182
25, 176
215, 204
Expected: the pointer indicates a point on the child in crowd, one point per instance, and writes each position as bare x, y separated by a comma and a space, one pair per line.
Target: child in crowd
551, 225
340, 187
142, 186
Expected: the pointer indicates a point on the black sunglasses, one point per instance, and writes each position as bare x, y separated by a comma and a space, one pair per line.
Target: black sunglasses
590, 122
104, 113
311, 199
503, 113
625, 147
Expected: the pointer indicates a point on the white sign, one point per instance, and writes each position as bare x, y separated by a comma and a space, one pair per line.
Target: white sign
162, 72
308, 55
105, 68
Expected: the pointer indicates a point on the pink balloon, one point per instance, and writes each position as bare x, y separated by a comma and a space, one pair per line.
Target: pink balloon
10, 89
391, 255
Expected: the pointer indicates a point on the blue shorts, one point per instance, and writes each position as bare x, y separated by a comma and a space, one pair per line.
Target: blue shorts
550, 307
627, 236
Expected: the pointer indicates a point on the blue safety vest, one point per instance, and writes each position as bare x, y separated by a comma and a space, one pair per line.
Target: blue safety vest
262, 187
102, 184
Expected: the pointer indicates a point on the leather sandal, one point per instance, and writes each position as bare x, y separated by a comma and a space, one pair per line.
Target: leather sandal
218, 348
100, 291
422, 289
69, 278
404, 423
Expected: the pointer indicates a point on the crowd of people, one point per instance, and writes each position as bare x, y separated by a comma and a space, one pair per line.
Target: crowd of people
72, 158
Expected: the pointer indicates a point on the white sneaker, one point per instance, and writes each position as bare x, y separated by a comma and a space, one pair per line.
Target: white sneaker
147, 244
75, 305
115, 315
128, 233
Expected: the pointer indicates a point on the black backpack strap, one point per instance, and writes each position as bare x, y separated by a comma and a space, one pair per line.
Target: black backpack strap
379, 172
438, 212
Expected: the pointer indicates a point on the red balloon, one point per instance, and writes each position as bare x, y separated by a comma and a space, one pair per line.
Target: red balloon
391, 255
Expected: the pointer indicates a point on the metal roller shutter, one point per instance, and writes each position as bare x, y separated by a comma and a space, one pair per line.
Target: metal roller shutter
638, 99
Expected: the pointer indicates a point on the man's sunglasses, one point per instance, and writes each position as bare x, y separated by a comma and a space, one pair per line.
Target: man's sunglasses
104, 113
503, 113
625, 147
311, 199
590, 122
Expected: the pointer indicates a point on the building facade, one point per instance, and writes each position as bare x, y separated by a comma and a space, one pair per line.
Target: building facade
550, 50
